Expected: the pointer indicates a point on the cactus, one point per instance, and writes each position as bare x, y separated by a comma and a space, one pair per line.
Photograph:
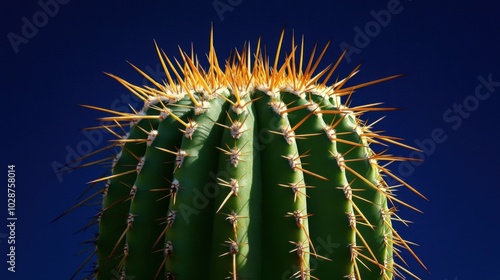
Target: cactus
254, 170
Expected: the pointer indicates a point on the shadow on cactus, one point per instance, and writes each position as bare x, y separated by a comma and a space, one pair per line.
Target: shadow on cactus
250, 169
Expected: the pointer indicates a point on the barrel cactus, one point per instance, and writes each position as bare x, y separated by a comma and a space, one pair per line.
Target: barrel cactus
257, 169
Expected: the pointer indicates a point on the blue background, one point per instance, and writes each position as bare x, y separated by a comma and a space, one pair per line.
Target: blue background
442, 47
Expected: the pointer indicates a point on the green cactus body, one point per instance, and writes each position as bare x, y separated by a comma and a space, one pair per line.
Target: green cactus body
248, 172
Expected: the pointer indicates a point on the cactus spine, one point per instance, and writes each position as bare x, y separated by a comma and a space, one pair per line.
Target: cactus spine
248, 171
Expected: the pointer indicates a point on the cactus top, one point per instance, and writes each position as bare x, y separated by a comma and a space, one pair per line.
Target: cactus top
255, 169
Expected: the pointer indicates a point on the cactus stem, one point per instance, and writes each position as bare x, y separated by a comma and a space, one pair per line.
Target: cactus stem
293, 109
190, 129
360, 213
299, 218
301, 250
167, 253
233, 250
237, 128
295, 164
374, 258
130, 220
302, 121
233, 220
121, 264
238, 106
233, 185
180, 154
174, 190
231, 210
168, 224
356, 254
342, 164
287, 133
234, 154
296, 189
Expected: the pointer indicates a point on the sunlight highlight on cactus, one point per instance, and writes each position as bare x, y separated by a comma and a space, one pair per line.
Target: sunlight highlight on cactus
244, 170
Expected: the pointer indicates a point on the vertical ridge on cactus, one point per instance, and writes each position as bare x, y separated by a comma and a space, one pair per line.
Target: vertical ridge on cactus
252, 170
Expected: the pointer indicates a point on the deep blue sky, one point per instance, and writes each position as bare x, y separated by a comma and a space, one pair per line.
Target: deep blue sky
444, 48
